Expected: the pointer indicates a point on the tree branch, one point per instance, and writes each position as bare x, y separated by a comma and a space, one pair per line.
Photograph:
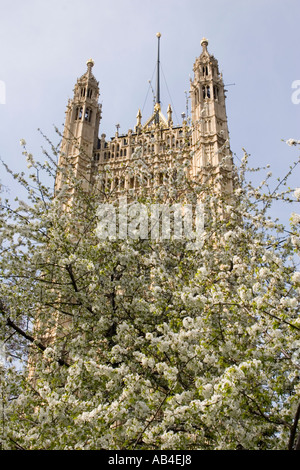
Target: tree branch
293, 431
28, 337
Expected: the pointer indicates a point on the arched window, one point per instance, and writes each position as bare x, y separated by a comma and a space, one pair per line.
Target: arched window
205, 70
206, 92
88, 115
216, 92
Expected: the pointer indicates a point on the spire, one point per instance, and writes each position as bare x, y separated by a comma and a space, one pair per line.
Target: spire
90, 65
138, 120
170, 121
204, 44
158, 35
157, 104
157, 118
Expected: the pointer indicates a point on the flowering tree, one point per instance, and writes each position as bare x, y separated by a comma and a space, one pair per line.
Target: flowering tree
142, 343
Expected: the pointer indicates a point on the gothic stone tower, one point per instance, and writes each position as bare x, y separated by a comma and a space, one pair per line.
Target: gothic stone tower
82, 122
210, 130
206, 133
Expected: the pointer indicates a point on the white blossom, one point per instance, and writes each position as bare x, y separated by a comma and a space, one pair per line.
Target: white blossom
295, 218
296, 277
297, 193
140, 344
292, 142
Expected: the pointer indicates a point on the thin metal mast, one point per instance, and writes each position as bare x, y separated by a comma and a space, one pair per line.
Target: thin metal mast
157, 105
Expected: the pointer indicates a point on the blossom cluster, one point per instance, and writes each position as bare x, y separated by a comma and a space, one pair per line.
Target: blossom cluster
146, 344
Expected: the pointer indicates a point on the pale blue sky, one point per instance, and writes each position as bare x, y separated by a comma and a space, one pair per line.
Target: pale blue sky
45, 45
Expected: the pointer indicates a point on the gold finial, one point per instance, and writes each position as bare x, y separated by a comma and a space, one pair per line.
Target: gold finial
90, 63
158, 35
204, 43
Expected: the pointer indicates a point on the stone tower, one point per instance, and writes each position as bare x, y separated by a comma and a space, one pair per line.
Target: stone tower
205, 132
82, 122
210, 136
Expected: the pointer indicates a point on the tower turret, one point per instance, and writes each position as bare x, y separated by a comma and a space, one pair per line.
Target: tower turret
210, 136
82, 121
